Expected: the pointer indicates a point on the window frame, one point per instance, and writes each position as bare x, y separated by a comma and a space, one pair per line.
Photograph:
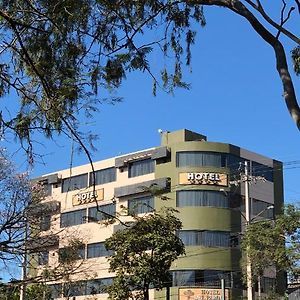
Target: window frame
206, 238
204, 199
71, 186
43, 258
138, 202
103, 171
94, 216
68, 213
102, 250
141, 167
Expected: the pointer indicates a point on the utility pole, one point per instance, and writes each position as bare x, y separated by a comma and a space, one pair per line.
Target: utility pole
248, 220
223, 288
24, 265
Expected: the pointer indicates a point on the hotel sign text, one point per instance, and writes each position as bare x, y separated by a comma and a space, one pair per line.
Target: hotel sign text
203, 178
202, 294
88, 197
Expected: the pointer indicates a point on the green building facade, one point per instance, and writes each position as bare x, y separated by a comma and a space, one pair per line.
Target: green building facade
212, 210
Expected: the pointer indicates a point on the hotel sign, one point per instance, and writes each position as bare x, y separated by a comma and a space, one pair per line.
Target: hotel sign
88, 197
202, 294
203, 178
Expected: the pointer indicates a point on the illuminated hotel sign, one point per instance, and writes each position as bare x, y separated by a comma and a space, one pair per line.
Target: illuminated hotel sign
202, 294
203, 178
88, 197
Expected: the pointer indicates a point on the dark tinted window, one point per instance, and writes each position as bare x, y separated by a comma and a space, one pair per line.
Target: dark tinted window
141, 205
140, 167
55, 290
201, 277
45, 222
97, 250
73, 289
73, 218
43, 258
105, 212
69, 254
205, 238
201, 198
74, 183
200, 159
262, 170
103, 176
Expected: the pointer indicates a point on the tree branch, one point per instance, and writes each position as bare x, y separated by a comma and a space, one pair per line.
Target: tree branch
282, 19
281, 61
260, 9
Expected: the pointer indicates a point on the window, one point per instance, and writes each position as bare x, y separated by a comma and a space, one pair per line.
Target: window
201, 198
72, 218
262, 170
200, 159
106, 212
140, 167
234, 162
205, 238
97, 286
97, 250
259, 209
84, 287
267, 284
262, 209
201, 277
184, 278
103, 176
141, 205
69, 254
43, 258
73, 289
48, 189
55, 290
74, 183
220, 160
45, 222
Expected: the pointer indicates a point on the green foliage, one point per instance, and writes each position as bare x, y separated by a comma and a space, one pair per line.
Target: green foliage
9, 292
143, 255
57, 55
274, 243
273, 296
296, 59
38, 292
71, 253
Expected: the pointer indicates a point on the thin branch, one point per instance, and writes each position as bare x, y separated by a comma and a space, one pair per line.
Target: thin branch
281, 61
282, 19
261, 10
298, 5
15, 22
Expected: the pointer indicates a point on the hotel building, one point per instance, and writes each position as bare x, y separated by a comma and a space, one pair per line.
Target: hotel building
201, 179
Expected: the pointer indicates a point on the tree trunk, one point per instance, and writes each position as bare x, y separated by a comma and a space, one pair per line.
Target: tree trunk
281, 62
146, 292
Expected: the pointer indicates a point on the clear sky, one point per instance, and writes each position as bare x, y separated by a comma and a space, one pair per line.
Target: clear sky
235, 97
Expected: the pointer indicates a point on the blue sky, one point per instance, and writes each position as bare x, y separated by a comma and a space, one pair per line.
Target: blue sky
235, 97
